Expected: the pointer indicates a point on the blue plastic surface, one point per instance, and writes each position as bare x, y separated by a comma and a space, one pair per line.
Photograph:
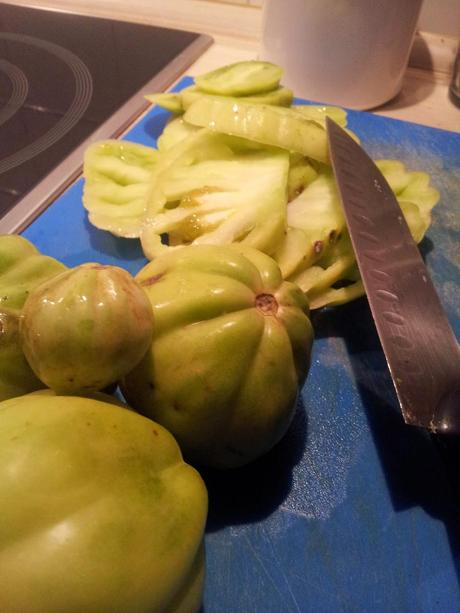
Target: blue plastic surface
352, 511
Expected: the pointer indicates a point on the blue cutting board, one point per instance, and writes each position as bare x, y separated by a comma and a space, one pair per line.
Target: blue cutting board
352, 511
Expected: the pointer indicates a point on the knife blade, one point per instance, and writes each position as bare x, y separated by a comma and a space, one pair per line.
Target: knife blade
420, 347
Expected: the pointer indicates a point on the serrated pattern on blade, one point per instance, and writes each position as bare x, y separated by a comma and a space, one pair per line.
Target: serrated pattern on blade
421, 350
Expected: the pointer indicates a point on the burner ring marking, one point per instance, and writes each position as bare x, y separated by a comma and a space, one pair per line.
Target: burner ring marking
80, 102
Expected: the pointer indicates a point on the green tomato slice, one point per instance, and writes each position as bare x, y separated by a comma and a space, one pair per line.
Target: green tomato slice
294, 250
314, 222
219, 201
319, 113
174, 132
117, 179
317, 211
301, 174
199, 145
169, 101
263, 123
281, 96
333, 279
241, 79
316, 252
337, 296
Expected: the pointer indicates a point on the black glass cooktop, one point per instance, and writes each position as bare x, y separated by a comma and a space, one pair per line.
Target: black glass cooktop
62, 76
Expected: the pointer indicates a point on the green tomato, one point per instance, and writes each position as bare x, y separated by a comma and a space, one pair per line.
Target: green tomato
231, 346
16, 376
86, 327
99, 511
241, 78
22, 268
275, 126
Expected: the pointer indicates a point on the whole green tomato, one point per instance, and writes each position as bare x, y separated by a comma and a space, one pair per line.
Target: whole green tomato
231, 347
85, 328
22, 268
99, 511
16, 376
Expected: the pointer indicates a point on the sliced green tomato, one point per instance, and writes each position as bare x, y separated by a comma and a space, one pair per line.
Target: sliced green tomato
420, 192
179, 102
281, 96
338, 280
117, 179
198, 146
221, 201
319, 282
414, 193
269, 125
411, 186
329, 275
339, 271
174, 132
241, 79
169, 101
334, 278
302, 247
201, 144
301, 174
315, 222
339, 268
395, 173
337, 296
318, 212
417, 220
188, 95
319, 113
293, 252
119, 161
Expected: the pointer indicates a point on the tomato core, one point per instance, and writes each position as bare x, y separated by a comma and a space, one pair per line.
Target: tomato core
267, 304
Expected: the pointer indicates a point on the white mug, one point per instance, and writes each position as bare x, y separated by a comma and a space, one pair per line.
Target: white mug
351, 53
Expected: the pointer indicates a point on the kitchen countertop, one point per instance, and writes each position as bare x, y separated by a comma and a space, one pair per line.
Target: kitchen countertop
424, 97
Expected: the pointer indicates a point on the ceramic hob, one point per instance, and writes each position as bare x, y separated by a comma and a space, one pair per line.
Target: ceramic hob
68, 79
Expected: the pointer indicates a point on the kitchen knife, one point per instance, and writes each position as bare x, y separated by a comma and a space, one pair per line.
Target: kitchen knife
420, 347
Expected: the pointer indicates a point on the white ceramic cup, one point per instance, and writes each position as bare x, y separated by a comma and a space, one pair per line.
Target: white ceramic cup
351, 53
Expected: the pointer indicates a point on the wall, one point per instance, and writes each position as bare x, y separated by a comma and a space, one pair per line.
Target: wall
241, 17
440, 16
